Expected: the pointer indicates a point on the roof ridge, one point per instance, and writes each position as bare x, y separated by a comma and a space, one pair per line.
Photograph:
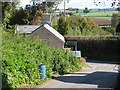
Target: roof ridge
53, 31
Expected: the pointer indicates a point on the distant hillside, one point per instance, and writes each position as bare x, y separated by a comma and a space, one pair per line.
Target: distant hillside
107, 9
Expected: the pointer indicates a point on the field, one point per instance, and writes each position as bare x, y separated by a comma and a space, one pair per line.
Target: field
99, 13
106, 18
107, 15
101, 21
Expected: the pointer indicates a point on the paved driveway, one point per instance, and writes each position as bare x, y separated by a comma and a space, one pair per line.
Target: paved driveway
102, 75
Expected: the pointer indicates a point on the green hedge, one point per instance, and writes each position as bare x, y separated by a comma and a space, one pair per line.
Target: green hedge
106, 48
20, 59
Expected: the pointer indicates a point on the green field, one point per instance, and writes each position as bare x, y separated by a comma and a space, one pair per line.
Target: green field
74, 12
98, 13
95, 13
106, 18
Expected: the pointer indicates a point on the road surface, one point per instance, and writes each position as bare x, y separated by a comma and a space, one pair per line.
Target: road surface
102, 75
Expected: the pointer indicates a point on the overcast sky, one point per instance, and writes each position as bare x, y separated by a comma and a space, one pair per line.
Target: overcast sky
81, 4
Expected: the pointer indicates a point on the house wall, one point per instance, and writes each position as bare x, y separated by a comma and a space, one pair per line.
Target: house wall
44, 34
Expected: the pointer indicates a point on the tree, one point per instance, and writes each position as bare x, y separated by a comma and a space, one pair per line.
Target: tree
70, 14
86, 10
113, 2
29, 16
47, 4
63, 26
84, 26
115, 20
77, 11
118, 29
7, 10
70, 9
118, 9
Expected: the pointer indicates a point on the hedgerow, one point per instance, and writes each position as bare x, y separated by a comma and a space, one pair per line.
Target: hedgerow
105, 48
21, 56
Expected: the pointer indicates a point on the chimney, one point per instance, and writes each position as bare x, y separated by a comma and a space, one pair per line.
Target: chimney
46, 18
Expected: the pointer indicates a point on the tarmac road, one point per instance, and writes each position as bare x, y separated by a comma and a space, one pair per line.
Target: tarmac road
102, 75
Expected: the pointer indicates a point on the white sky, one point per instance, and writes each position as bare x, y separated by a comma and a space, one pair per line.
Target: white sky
81, 4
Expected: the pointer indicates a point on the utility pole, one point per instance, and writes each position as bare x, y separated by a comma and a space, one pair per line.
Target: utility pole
64, 11
119, 7
104, 6
46, 7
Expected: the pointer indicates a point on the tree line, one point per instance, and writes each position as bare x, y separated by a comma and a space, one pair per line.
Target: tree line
78, 25
31, 15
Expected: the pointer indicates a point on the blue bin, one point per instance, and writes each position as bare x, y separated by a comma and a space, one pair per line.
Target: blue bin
43, 71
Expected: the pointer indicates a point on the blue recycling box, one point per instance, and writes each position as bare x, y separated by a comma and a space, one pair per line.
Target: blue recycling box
43, 71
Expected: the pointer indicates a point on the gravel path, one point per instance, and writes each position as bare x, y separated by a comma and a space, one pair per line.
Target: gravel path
102, 75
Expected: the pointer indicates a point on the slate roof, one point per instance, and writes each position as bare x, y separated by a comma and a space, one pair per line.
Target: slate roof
26, 28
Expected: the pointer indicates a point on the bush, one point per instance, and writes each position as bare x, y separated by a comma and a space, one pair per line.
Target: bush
111, 30
20, 59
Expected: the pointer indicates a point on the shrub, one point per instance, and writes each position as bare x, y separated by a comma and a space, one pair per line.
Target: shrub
20, 59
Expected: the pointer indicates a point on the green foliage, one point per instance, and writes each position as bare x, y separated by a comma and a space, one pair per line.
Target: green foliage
102, 37
84, 26
7, 9
115, 20
111, 30
118, 9
29, 16
86, 10
54, 23
20, 59
118, 29
49, 5
63, 25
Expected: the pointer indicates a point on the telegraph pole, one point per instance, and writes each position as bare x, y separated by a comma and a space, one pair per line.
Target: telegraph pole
46, 6
64, 11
